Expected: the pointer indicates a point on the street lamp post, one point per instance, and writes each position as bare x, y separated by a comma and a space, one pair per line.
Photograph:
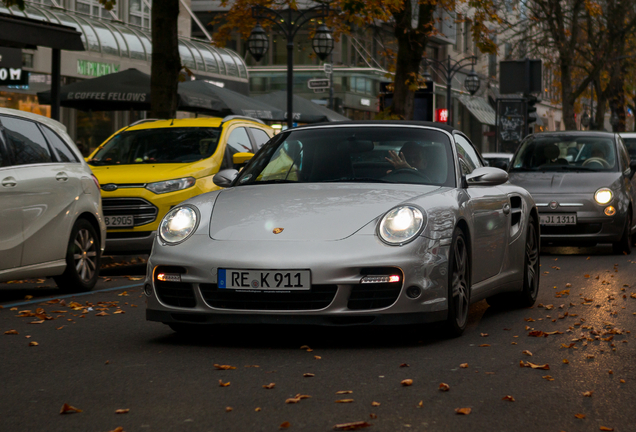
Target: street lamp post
448, 69
288, 23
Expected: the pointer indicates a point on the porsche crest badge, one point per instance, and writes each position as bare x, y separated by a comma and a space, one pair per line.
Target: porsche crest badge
278, 230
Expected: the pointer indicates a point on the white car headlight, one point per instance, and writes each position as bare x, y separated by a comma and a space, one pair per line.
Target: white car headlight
603, 196
171, 185
401, 225
178, 224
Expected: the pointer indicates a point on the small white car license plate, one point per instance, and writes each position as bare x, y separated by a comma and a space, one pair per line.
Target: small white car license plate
264, 280
558, 219
118, 221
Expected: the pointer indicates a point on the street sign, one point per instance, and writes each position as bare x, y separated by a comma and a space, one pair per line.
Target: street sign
318, 83
328, 68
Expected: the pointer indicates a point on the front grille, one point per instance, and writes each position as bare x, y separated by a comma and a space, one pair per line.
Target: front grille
128, 234
374, 295
319, 297
178, 294
142, 211
579, 228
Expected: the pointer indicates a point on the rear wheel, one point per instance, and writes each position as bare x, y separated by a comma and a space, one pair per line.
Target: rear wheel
531, 273
624, 245
82, 259
530, 291
458, 285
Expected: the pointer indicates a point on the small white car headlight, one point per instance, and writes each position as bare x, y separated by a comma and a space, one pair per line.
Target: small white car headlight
178, 224
401, 225
603, 196
171, 185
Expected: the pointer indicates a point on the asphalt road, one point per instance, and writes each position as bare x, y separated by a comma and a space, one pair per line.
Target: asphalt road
117, 360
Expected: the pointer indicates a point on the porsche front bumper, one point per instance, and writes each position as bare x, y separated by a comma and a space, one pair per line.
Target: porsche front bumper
337, 296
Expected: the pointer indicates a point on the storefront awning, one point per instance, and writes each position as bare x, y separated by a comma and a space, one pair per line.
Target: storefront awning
18, 32
480, 109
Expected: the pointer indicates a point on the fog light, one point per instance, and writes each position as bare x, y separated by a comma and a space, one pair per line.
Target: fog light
380, 279
148, 290
413, 292
169, 277
610, 211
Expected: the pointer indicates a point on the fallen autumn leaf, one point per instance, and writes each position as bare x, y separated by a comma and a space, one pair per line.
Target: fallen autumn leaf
463, 411
68, 409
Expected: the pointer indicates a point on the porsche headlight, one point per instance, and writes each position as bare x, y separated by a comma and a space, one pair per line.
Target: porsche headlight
178, 225
401, 225
603, 196
171, 185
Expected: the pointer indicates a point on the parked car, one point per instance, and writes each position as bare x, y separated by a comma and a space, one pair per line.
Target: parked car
498, 160
151, 166
50, 211
348, 223
629, 139
583, 184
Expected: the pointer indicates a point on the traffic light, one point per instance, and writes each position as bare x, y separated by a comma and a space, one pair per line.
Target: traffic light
531, 115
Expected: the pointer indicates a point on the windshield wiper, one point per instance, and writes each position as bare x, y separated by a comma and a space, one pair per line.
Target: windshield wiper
576, 168
524, 169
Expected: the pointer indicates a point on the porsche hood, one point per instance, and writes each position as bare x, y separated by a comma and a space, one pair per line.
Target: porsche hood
304, 211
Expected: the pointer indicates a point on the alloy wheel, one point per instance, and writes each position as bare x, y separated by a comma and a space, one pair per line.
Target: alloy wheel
85, 255
532, 261
459, 281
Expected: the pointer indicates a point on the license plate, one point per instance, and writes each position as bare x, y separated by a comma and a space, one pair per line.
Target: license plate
264, 280
118, 221
558, 219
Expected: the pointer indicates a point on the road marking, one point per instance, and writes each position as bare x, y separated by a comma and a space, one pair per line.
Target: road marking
70, 295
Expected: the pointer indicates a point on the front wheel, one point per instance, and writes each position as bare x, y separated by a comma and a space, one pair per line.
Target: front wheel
458, 285
82, 259
624, 245
531, 263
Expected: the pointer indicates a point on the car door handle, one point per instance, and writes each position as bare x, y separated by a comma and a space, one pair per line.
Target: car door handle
506, 208
61, 176
9, 182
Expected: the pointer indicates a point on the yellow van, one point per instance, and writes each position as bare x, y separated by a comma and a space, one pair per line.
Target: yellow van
152, 165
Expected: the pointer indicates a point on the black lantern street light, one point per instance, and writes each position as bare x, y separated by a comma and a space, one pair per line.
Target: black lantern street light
448, 69
288, 22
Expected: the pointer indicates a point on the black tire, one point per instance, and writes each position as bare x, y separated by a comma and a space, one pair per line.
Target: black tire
82, 259
531, 275
458, 285
624, 245
531, 267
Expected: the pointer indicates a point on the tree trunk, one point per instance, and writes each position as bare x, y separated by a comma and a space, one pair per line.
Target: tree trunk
617, 102
567, 99
406, 73
411, 47
166, 63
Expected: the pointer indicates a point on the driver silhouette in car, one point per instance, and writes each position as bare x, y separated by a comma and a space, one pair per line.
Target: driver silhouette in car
411, 156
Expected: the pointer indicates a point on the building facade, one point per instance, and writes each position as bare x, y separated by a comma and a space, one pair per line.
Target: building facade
114, 41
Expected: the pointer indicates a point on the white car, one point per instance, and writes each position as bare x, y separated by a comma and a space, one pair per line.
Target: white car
51, 211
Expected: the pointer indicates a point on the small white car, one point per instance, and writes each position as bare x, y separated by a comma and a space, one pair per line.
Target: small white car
629, 139
51, 211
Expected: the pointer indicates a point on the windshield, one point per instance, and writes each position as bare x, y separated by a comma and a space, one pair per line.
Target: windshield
354, 154
630, 143
566, 153
163, 145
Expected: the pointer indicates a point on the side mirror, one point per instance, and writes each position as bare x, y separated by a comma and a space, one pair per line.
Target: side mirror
225, 177
486, 176
240, 159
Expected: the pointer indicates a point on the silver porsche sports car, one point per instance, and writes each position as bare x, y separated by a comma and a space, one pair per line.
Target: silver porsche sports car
348, 223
